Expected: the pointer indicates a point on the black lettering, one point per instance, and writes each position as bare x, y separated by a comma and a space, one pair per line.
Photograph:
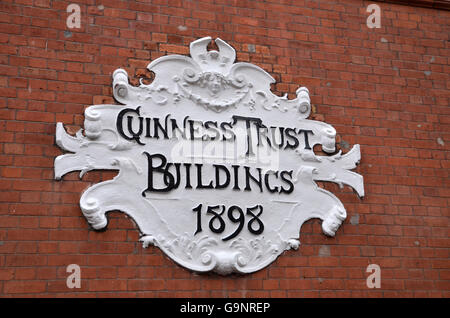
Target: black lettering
200, 184
212, 129
267, 183
228, 133
248, 177
198, 209
176, 182
168, 177
290, 134
136, 135
193, 130
227, 173
236, 177
307, 146
147, 127
255, 218
240, 219
248, 120
119, 125
176, 131
274, 139
188, 175
216, 216
158, 127
288, 181
262, 131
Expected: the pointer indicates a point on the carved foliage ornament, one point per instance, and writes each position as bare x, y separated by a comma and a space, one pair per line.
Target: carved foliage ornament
215, 169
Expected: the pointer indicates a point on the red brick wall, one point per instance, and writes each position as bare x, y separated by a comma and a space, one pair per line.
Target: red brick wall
386, 89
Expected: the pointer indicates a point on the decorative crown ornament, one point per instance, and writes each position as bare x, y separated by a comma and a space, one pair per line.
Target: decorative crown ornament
215, 169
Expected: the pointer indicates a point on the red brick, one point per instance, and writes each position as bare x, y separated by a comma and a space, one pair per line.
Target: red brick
375, 93
24, 287
145, 285
107, 285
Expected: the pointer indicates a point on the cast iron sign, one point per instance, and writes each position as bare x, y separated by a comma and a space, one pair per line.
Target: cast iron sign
215, 169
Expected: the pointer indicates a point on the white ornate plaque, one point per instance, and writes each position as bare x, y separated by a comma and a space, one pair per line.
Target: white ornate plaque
215, 169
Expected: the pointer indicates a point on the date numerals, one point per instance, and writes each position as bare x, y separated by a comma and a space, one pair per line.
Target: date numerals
235, 214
